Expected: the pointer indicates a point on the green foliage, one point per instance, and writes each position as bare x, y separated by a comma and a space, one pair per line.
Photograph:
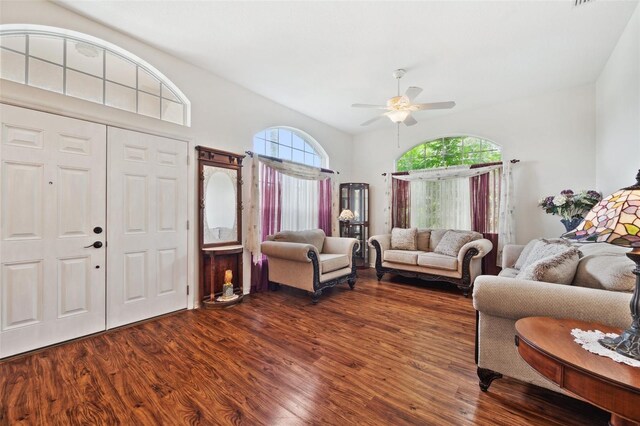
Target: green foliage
445, 152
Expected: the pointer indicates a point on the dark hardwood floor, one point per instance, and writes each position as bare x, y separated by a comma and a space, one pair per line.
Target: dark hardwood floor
384, 354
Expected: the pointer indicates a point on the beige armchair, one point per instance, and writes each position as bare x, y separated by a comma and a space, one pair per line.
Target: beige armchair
310, 261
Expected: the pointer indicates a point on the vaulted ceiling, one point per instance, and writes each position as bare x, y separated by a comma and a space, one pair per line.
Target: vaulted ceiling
320, 57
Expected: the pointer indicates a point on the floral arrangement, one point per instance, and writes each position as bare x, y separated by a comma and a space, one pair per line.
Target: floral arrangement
570, 205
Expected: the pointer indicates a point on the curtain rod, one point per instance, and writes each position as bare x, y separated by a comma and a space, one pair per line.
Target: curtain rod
280, 160
473, 166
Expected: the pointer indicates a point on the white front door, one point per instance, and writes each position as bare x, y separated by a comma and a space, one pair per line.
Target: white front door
147, 234
52, 201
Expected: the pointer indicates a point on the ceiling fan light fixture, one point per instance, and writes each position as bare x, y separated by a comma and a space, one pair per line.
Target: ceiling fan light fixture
397, 116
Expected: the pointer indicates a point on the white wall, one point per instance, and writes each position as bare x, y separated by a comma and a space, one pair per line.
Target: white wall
552, 134
618, 112
224, 115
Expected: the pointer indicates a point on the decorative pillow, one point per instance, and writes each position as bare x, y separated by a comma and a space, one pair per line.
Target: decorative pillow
452, 242
314, 237
403, 239
424, 235
559, 268
435, 237
522, 259
544, 248
609, 271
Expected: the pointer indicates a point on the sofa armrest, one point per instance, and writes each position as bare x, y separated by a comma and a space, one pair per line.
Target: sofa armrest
383, 239
339, 245
510, 254
515, 299
483, 246
296, 252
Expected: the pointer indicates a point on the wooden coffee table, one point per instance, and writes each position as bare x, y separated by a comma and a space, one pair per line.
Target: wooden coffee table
547, 345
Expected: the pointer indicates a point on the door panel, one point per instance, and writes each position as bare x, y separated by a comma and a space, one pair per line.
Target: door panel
53, 195
147, 234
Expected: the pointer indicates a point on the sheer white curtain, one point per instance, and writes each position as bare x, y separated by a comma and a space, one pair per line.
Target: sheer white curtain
444, 204
300, 201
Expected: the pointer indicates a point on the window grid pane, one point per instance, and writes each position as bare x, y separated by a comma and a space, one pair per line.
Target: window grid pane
86, 70
286, 144
451, 151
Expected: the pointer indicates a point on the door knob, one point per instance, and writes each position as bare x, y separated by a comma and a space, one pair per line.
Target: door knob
97, 244
97, 230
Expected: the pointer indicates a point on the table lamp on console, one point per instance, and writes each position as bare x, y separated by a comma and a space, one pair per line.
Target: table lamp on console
616, 220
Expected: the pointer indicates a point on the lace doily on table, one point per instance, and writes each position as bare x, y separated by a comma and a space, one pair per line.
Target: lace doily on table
589, 341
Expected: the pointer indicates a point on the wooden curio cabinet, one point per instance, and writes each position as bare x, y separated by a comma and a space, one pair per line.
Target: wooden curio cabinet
355, 197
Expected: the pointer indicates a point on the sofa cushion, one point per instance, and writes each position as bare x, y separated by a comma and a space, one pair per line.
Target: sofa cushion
605, 266
423, 238
314, 237
509, 272
407, 257
452, 242
559, 268
403, 239
332, 262
438, 261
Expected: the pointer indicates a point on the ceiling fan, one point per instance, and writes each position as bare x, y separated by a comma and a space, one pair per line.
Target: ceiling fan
399, 108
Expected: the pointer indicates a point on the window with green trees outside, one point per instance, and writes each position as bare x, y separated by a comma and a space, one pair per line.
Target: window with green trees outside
449, 151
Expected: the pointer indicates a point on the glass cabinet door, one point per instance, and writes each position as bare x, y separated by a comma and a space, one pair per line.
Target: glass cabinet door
355, 197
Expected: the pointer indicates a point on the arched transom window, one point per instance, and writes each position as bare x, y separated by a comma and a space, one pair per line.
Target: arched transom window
290, 144
449, 151
88, 68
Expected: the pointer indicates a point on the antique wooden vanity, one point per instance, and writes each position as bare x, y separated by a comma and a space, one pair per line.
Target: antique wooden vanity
220, 219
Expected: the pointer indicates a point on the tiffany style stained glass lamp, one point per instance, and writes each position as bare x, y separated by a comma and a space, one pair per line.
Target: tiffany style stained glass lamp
616, 220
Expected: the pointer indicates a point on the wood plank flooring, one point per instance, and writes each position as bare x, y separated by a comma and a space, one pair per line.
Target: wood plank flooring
390, 353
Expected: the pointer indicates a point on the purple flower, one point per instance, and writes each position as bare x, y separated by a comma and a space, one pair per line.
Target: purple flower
567, 193
594, 194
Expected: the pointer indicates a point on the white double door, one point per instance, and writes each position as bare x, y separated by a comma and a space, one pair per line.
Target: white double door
80, 252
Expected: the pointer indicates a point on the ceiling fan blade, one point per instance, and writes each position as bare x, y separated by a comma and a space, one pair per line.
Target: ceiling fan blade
366, 123
434, 105
410, 121
369, 106
412, 92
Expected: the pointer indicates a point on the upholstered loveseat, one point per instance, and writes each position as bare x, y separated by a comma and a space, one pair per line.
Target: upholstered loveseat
311, 261
429, 258
597, 289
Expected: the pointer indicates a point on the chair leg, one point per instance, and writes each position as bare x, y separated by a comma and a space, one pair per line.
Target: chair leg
486, 377
315, 296
352, 283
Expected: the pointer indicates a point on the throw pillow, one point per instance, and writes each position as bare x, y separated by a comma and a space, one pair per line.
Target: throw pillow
522, 259
452, 242
435, 237
403, 239
559, 268
609, 271
424, 235
545, 248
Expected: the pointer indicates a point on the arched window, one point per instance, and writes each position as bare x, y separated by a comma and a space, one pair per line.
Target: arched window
449, 151
290, 144
88, 68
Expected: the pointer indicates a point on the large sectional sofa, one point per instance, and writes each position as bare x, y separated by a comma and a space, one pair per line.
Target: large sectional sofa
593, 285
425, 261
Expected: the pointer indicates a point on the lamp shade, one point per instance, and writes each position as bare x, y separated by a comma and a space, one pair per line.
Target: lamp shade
614, 220
398, 116
346, 214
